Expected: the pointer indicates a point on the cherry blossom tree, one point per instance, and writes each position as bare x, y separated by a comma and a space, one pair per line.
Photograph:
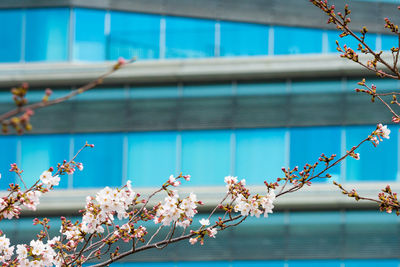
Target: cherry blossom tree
116, 216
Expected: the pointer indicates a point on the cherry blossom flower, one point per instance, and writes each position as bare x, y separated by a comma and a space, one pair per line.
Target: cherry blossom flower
204, 222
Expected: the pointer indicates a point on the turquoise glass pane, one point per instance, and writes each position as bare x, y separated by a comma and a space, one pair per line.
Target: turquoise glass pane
290, 40
40, 152
371, 263
243, 39
189, 38
207, 90
10, 35
102, 164
316, 86
151, 158
375, 163
134, 35
381, 84
206, 156
8, 155
389, 41
262, 263
261, 88
46, 34
260, 154
90, 39
154, 92
307, 145
314, 263
204, 263
349, 41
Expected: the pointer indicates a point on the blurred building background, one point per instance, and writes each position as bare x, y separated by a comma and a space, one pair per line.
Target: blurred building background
221, 87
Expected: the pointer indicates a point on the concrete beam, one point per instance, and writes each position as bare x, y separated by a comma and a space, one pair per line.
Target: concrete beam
315, 197
188, 70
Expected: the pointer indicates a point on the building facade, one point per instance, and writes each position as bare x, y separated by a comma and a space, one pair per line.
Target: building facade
220, 87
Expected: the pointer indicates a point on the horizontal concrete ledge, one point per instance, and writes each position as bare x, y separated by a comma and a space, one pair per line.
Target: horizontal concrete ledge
188, 70
315, 197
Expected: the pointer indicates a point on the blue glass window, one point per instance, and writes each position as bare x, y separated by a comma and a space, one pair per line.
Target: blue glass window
314, 263
8, 155
261, 88
47, 34
381, 84
151, 157
206, 156
290, 40
40, 152
189, 38
134, 35
316, 86
349, 41
90, 38
262, 263
207, 90
102, 164
307, 144
374, 163
10, 35
389, 41
154, 92
243, 39
371, 263
260, 154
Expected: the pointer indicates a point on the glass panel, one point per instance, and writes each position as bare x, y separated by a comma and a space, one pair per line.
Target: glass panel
349, 41
102, 164
109, 94
151, 157
307, 145
290, 40
316, 86
243, 39
8, 155
207, 90
47, 34
314, 263
261, 88
134, 35
381, 84
40, 152
389, 41
154, 92
189, 38
371, 263
266, 149
206, 156
10, 35
90, 39
375, 164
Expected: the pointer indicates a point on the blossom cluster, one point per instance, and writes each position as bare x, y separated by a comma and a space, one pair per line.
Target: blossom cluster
109, 202
176, 210
256, 205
